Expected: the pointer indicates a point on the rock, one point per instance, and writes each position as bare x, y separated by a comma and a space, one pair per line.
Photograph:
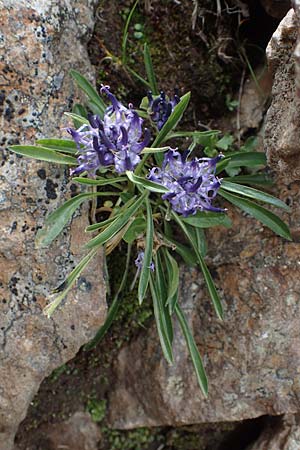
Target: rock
77, 433
252, 358
282, 436
276, 8
282, 130
39, 43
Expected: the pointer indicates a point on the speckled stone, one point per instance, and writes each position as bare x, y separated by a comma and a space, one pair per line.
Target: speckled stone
282, 130
39, 42
252, 358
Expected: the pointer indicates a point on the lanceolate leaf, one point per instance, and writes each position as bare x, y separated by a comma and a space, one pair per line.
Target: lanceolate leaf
59, 145
173, 280
115, 226
150, 185
207, 276
136, 228
162, 294
149, 70
257, 178
104, 223
155, 150
159, 313
195, 355
43, 154
172, 120
56, 221
253, 193
263, 215
90, 91
81, 120
113, 309
99, 181
65, 287
145, 271
206, 219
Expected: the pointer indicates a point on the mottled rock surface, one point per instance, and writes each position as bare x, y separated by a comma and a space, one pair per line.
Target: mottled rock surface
39, 43
282, 131
77, 433
284, 435
252, 358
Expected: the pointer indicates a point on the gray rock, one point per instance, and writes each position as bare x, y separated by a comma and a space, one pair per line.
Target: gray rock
39, 43
252, 358
282, 130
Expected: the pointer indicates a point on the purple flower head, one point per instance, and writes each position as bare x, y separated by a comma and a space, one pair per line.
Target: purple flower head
162, 107
139, 262
192, 185
114, 141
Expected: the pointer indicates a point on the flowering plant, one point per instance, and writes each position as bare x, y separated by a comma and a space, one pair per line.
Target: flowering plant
154, 190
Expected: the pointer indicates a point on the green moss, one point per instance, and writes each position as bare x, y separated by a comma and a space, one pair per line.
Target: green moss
96, 408
139, 439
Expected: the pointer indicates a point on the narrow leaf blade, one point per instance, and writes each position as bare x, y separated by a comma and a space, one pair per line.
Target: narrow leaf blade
43, 154
258, 212
149, 70
145, 271
194, 352
90, 91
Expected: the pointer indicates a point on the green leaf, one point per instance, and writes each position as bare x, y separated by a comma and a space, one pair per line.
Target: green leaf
225, 142
161, 289
201, 137
186, 253
99, 181
194, 352
149, 70
257, 178
136, 228
154, 150
248, 159
56, 221
145, 271
159, 314
65, 287
198, 236
98, 225
254, 193
263, 215
59, 145
43, 154
90, 91
81, 120
173, 120
125, 34
96, 109
119, 223
206, 219
207, 276
113, 309
149, 185
173, 280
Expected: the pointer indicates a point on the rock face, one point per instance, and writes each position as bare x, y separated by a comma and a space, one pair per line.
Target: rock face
39, 43
77, 433
252, 358
283, 436
282, 131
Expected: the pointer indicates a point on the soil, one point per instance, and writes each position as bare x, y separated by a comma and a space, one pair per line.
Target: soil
193, 50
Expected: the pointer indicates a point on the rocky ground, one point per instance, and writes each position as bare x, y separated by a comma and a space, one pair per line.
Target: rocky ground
122, 395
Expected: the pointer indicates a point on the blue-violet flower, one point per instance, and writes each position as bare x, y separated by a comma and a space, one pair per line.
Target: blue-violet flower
113, 141
161, 108
139, 262
192, 184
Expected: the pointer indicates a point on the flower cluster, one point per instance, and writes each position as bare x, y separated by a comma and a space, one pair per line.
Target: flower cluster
139, 262
161, 108
192, 184
113, 141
